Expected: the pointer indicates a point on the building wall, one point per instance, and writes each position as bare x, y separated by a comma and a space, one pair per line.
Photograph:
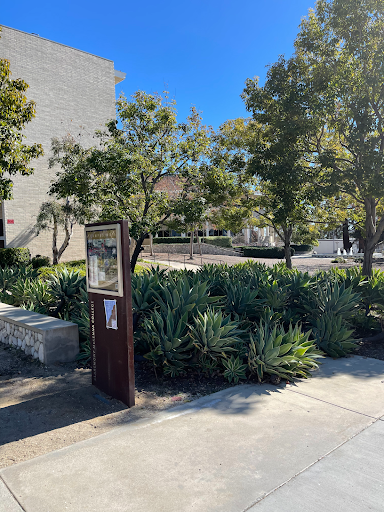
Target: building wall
74, 93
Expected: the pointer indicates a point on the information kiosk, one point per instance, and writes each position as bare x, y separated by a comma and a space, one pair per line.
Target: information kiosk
110, 309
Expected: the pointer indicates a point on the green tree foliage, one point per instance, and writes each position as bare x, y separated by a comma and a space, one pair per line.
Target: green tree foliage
342, 44
15, 113
140, 171
229, 187
280, 156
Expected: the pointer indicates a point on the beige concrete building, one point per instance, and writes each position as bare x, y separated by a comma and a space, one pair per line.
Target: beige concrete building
74, 93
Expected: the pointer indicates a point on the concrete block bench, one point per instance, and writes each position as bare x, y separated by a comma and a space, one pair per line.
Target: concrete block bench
43, 337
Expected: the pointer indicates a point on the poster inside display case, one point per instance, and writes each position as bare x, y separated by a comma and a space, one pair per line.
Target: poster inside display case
103, 249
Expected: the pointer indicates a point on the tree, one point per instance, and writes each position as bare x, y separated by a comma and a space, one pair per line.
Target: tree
15, 113
140, 171
229, 187
280, 155
342, 43
54, 215
188, 217
235, 217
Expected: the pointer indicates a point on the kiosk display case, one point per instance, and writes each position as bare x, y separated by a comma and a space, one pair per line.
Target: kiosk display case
110, 309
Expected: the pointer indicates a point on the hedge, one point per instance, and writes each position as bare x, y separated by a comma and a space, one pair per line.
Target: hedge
39, 261
265, 252
14, 256
219, 241
302, 247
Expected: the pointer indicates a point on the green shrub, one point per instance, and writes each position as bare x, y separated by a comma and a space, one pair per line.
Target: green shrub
265, 252
219, 241
74, 263
46, 272
40, 261
302, 247
14, 256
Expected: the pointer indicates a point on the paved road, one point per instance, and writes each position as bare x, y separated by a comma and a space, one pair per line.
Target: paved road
317, 445
302, 263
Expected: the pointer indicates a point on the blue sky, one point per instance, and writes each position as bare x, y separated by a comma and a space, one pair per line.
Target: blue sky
200, 51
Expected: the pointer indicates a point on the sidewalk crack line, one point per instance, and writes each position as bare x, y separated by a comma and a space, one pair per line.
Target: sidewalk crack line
330, 403
12, 494
258, 500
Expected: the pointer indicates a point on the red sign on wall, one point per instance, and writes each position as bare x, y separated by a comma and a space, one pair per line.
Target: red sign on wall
10, 221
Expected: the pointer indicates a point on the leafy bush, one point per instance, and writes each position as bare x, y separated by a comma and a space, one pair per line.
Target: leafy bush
265, 252
14, 256
302, 247
40, 261
219, 241
47, 272
75, 263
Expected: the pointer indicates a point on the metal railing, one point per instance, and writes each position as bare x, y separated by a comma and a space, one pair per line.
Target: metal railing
182, 258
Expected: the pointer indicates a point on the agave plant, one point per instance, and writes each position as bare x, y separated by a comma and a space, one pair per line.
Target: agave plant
288, 354
169, 341
234, 369
273, 295
80, 316
332, 298
332, 336
8, 276
30, 294
373, 292
180, 297
65, 287
214, 334
241, 301
216, 275
144, 289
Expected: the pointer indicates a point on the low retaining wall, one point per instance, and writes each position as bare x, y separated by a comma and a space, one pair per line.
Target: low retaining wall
184, 249
43, 337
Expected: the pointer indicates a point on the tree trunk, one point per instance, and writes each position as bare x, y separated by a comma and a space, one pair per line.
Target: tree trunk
191, 245
288, 256
370, 232
346, 242
136, 253
287, 246
198, 241
367, 261
54, 244
151, 244
67, 239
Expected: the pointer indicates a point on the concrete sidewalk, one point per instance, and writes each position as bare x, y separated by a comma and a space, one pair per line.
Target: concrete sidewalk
316, 446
